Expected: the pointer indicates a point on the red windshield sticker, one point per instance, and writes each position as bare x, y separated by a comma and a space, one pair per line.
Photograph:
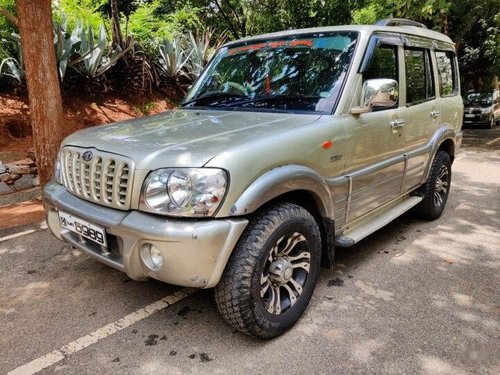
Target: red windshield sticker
278, 44
301, 43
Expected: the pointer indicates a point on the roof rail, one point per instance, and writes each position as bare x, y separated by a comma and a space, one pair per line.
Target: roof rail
399, 22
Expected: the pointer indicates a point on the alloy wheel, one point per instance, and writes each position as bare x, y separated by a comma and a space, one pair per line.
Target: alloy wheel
441, 186
285, 273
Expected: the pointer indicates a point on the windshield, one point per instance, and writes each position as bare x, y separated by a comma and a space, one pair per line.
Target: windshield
478, 99
294, 74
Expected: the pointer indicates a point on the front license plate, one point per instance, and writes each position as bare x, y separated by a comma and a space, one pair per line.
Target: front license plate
82, 227
469, 116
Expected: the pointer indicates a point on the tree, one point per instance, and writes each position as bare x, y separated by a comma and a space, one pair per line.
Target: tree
474, 26
35, 26
239, 18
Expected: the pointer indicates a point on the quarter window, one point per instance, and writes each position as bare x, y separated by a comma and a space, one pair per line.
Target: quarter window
446, 73
419, 77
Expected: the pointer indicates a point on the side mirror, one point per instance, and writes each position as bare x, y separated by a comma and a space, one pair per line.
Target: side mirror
378, 93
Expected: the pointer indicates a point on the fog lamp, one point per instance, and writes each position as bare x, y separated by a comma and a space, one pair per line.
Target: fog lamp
152, 257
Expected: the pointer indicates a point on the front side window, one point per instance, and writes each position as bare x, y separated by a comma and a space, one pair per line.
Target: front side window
303, 73
446, 73
384, 64
419, 77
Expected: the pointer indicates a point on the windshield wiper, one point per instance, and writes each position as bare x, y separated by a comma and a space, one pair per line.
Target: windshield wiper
282, 97
213, 96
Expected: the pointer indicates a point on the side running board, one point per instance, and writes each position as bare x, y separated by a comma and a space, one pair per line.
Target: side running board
357, 234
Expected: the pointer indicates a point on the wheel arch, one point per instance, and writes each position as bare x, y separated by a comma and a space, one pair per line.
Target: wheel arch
445, 139
292, 180
295, 184
448, 146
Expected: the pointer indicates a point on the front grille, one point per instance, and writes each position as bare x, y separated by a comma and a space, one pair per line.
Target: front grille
106, 179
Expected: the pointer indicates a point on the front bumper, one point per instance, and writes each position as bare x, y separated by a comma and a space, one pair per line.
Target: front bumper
477, 119
195, 251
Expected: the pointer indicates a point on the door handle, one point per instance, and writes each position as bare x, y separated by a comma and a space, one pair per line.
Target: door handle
397, 124
435, 113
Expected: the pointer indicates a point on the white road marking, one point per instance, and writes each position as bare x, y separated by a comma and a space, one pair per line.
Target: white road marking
43, 226
493, 141
101, 333
15, 235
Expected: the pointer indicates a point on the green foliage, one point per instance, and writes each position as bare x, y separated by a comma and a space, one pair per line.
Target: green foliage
145, 108
246, 17
149, 27
366, 16
78, 12
5, 26
492, 46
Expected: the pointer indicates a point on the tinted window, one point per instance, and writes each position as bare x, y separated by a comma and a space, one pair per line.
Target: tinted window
302, 74
478, 99
419, 77
384, 64
446, 73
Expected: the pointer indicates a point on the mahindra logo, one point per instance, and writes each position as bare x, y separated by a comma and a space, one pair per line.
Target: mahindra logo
87, 155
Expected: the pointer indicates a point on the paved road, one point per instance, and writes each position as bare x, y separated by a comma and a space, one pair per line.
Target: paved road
415, 297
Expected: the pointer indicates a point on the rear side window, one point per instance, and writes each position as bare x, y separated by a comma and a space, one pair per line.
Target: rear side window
419, 77
447, 73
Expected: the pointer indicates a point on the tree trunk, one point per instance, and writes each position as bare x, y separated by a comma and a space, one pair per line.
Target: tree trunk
443, 15
115, 18
37, 39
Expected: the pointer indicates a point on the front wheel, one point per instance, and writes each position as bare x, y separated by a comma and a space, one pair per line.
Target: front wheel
492, 122
271, 274
436, 188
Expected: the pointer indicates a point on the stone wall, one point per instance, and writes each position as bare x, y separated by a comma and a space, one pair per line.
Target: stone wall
18, 175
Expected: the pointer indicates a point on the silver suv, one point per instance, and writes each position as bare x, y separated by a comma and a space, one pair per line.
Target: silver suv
288, 145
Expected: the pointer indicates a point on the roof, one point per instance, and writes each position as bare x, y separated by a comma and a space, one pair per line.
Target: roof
365, 29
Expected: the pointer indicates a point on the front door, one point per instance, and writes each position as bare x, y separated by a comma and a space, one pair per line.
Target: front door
374, 166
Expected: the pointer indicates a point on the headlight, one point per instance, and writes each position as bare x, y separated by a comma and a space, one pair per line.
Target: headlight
485, 110
184, 191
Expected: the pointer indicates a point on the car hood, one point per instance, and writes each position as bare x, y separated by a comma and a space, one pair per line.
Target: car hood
184, 138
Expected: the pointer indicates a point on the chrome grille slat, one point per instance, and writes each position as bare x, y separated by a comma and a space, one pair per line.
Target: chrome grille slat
106, 179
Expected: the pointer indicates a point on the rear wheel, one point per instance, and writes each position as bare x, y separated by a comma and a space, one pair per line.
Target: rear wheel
271, 274
436, 188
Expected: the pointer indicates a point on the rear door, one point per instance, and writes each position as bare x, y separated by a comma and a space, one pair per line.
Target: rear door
450, 102
421, 113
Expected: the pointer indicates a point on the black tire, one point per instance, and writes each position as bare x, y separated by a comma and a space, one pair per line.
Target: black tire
492, 123
238, 294
432, 206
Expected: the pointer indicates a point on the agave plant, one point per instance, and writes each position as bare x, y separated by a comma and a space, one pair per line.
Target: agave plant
66, 45
13, 66
174, 60
202, 50
91, 59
